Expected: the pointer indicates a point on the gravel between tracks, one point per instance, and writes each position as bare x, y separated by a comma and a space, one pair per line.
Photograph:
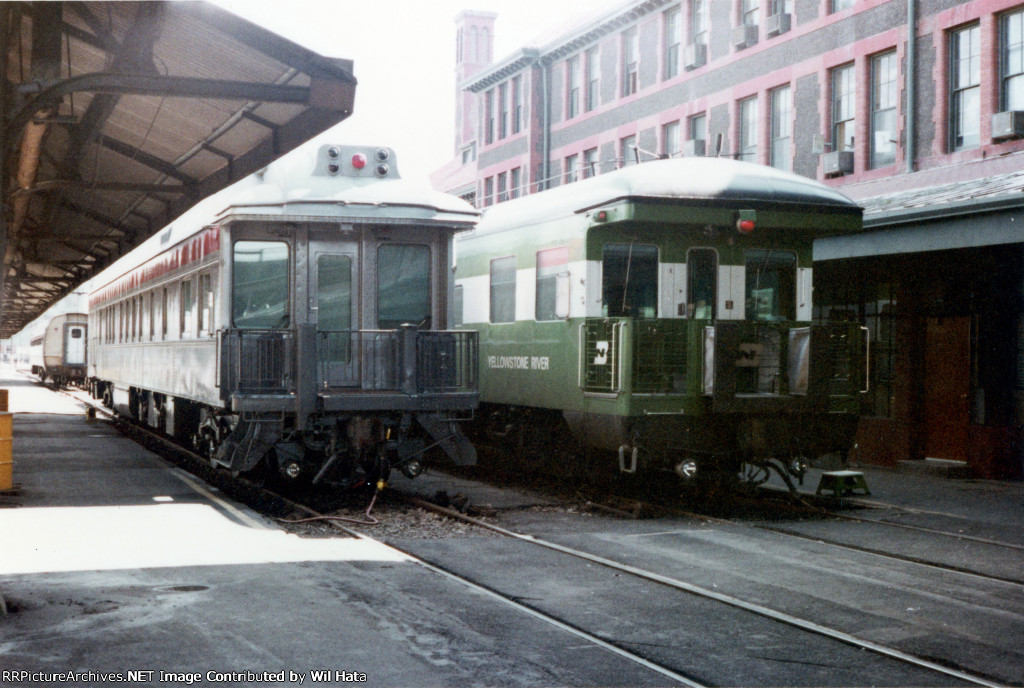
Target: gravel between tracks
394, 521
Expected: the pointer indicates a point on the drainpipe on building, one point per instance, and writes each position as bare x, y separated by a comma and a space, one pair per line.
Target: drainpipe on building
545, 129
911, 110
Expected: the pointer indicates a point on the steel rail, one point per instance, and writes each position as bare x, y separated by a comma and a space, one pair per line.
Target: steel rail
719, 597
676, 678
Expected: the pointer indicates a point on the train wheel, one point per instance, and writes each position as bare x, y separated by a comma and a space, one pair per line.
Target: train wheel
108, 397
207, 438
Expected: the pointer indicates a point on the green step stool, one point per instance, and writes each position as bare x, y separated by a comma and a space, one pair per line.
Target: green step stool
843, 483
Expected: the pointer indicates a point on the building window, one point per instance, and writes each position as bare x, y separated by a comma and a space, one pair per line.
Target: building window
572, 93
781, 129
590, 163
469, 153
552, 284
781, 7
748, 130
630, 54
698, 128
844, 107
488, 191
750, 11
883, 110
517, 105
699, 22
1011, 63
503, 111
670, 144
965, 88
840, 5
517, 182
673, 41
593, 78
627, 151
489, 116
502, 187
571, 169
503, 290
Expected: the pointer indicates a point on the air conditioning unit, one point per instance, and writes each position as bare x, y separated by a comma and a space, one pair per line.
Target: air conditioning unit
694, 148
744, 36
1008, 125
837, 163
778, 24
695, 55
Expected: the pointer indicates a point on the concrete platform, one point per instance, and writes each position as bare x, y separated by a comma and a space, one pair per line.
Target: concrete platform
112, 561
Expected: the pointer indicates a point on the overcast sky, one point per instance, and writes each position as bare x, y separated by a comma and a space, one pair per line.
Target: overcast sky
404, 55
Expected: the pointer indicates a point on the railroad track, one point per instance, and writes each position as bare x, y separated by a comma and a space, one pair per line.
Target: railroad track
664, 669
344, 525
729, 600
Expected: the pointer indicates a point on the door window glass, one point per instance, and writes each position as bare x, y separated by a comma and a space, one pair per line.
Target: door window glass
701, 279
630, 281
403, 285
259, 283
334, 304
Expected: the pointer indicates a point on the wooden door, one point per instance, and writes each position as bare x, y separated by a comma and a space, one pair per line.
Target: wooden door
947, 387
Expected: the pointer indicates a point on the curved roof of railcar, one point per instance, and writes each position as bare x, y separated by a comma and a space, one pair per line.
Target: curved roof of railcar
288, 190
680, 180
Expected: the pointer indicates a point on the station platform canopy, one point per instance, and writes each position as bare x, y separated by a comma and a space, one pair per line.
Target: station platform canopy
119, 116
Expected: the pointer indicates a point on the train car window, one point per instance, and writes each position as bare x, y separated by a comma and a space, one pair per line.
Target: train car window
205, 303
403, 285
629, 285
259, 293
458, 318
152, 316
770, 285
163, 314
701, 283
503, 289
187, 308
553, 284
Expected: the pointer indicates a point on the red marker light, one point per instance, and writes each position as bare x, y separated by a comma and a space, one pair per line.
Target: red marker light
359, 161
745, 226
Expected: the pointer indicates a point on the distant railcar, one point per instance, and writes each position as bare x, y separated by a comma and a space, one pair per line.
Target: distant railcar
300, 332
663, 312
57, 354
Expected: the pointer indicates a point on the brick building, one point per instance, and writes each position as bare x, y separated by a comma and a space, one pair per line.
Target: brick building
924, 128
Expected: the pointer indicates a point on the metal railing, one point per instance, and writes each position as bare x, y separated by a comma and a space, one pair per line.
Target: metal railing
660, 356
407, 360
257, 361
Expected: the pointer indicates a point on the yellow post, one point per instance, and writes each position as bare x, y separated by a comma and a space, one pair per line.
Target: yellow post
6, 454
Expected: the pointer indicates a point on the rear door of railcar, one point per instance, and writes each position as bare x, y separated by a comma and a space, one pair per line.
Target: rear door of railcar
333, 300
74, 344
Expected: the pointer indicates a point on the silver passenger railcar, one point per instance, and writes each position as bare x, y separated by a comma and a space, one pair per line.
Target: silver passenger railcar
57, 354
303, 332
